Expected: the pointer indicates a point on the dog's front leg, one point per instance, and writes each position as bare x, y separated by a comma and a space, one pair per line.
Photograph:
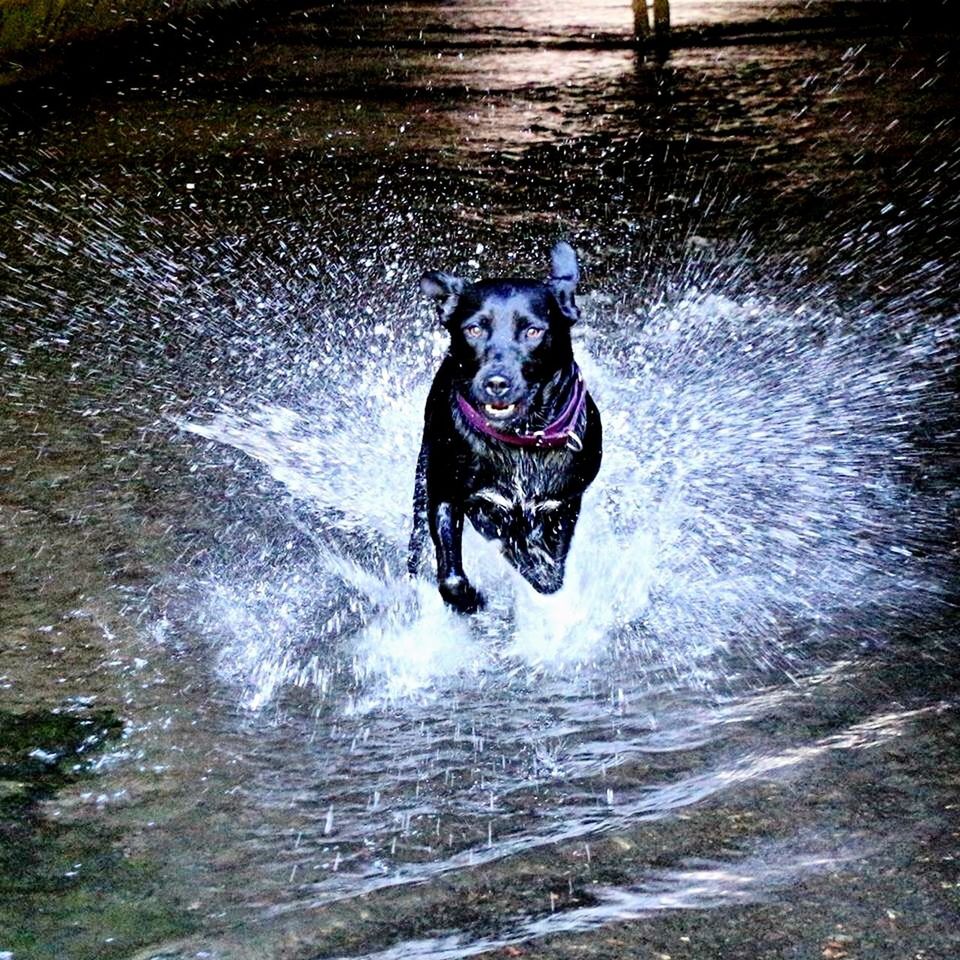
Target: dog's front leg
446, 529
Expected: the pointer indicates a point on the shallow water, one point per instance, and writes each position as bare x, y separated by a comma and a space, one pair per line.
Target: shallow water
732, 733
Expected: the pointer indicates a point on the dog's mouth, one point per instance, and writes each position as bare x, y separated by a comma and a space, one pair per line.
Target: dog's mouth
500, 410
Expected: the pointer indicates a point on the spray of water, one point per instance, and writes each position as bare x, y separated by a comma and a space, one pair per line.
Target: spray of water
774, 469
759, 488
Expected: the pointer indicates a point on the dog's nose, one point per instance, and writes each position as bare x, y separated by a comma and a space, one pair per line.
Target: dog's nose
496, 386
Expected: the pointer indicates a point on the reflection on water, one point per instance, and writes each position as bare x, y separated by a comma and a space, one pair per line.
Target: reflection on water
699, 887
736, 722
509, 21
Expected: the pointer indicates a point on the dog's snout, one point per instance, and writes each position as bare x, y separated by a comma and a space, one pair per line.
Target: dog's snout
496, 386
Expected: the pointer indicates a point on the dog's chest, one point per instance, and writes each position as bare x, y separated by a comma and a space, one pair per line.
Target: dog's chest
511, 479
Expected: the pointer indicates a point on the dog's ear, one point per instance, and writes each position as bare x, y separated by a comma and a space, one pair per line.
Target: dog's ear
445, 289
563, 279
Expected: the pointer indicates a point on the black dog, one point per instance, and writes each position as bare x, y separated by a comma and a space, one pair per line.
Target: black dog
511, 437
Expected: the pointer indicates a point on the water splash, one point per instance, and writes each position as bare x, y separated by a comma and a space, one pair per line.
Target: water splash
777, 465
760, 484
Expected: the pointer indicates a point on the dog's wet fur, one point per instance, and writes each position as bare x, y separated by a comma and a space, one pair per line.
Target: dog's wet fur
511, 358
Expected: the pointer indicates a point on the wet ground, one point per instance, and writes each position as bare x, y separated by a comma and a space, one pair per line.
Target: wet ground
231, 728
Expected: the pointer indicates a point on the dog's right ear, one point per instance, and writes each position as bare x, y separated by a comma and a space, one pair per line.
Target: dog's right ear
443, 288
563, 279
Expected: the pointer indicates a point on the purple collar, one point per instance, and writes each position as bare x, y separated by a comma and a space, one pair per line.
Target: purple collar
560, 433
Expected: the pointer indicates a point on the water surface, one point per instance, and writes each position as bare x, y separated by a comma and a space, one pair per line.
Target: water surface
733, 732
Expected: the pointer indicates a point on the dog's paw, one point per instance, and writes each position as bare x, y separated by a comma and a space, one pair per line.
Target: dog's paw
459, 594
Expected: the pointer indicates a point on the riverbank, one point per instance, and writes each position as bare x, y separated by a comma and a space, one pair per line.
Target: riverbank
73, 38
37, 25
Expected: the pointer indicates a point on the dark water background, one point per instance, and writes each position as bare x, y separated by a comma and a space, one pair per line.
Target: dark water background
229, 727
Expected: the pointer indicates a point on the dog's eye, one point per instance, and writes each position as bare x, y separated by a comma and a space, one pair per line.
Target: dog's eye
474, 330
533, 333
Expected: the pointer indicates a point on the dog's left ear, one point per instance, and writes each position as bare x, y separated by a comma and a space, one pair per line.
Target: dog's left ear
445, 289
563, 279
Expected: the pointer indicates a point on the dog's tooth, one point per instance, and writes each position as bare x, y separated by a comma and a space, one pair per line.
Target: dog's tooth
499, 412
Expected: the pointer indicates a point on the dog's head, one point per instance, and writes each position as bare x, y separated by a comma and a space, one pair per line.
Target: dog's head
509, 337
